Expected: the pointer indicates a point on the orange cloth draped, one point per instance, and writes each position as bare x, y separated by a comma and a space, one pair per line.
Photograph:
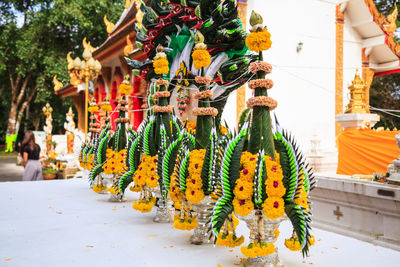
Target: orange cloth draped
366, 151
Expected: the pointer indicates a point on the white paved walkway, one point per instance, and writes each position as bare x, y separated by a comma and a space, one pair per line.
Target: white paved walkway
63, 223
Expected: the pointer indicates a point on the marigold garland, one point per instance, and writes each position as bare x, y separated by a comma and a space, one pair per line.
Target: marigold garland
143, 205
203, 79
260, 66
243, 191
258, 41
194, 191
115, 163
205, 112
146, 174
203, 94
161, 94
201, 58
293, 244
98, 188
229, 240
262, 101
106, 107
113, 190
93, 109
162, 82
161, 66
258, 249
163, 109
187, 223
125, 88
265, 83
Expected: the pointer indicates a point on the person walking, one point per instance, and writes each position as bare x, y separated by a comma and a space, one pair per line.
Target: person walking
30, 152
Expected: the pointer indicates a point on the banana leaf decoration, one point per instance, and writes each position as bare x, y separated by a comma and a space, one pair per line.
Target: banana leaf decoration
300, 220
206, 172
183, 171
133, 157
169, 160
289, 160
101, 157
228, 176
149, 147
120, 135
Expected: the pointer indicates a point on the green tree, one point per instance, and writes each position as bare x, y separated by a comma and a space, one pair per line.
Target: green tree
35, 37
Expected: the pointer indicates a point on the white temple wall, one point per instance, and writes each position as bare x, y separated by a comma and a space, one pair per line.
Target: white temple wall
305, 80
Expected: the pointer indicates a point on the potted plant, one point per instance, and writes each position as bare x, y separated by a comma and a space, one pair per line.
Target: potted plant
49, 173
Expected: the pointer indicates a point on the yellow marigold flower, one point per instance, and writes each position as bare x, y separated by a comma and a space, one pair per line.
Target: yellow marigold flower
113, 190
152, 181
178, 205
98, 188
92, 109
243, 189
175, 193
125, 88
274, 187
143, 205
161, 66
106, 107
274, 207
223, 130
135, 188
277, 232
194, 182
201, 58
194, 195
243, 207
259, 41
293, 244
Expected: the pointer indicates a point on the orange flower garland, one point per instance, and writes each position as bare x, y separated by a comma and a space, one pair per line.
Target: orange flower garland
274, 206
194, 191
243, 191
146, 173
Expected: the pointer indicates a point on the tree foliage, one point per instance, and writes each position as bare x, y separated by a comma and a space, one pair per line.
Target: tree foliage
35, 37
385, 90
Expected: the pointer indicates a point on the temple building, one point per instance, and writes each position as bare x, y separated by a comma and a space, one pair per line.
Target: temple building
119, 44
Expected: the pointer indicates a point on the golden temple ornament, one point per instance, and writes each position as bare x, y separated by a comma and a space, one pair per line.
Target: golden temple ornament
357, 99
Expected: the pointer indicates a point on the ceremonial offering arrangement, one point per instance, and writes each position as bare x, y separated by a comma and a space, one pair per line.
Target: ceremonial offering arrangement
263, 178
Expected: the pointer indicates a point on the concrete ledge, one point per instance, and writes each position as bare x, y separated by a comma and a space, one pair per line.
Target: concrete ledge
366, 210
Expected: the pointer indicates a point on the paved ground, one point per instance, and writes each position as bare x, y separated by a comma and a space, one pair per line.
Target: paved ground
9, 171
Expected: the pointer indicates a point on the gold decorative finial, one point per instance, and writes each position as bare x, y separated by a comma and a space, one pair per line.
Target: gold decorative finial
87, 45
57, 84
109, 24
139, 13
128, 3
129, 46
70, 61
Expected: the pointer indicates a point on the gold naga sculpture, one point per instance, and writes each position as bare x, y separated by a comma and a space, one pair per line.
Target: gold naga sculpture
392, 25
358, 103
109, 25
57, 84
